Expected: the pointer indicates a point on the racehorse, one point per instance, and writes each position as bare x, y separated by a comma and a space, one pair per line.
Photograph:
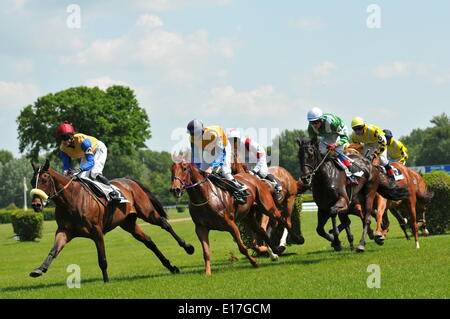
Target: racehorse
418, 199
213, 208
333, 195
79, 213
286, 203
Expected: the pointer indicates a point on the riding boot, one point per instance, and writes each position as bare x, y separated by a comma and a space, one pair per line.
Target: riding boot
390, 173
114, 195
278, 187
240, 193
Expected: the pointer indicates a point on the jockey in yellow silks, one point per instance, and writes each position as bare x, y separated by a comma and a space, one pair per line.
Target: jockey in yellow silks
374, 143
91, 151
211, 152
396, 151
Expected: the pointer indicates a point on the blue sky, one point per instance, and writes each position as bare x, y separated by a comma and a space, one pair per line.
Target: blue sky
234, 63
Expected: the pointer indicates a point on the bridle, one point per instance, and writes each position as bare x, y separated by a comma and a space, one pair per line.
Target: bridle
308, 177
55, 191
186, 186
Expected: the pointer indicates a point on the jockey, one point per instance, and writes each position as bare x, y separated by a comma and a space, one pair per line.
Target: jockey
256, 156
91, 151
211, 152
374, 141
333, 136
396, 151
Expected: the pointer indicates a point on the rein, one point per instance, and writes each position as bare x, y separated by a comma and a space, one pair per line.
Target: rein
310, 176
185, 186
56, 192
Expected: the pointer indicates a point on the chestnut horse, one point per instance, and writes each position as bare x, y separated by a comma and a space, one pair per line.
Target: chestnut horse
79, 213
333, 195
213, 208
418, 199
286, 203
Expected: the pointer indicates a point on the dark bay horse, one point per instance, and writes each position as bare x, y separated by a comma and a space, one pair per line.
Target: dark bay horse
333, 195
79, 213
212, 208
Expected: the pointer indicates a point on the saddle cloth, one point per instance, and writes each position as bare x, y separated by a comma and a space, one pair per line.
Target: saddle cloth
102, 190
397, 173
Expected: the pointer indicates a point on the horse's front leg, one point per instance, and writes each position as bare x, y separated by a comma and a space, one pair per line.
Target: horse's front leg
101, 253
61, 239
322, 218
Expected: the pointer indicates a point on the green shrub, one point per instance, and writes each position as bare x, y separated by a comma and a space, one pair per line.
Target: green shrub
180, 208
308, 197
49, 213
27, 225
5, 216
438, 211
11, 206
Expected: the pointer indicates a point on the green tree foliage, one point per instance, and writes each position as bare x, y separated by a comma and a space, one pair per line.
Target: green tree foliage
113, 116
430, 146
287, 150
11, 181
5, 156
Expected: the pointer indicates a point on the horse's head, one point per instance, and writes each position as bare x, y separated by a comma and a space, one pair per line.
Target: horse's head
308, 156
179, 178
42, 183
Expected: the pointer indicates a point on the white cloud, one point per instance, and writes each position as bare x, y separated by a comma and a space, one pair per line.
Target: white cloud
104, 82
394, 69
22, 66
166, 5
261, 102
150, 20
308, 23
14, 95
321, 74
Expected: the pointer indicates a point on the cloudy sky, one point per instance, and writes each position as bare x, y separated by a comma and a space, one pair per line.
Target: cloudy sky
251, 64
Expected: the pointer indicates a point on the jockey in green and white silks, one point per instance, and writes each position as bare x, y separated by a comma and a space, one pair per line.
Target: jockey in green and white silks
333, 135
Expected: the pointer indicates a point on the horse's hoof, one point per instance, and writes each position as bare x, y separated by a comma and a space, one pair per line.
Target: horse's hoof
379, 239
36, 273
189, 249
274, 257
300, 240
360, 249
337, 247
280, 249
175, 270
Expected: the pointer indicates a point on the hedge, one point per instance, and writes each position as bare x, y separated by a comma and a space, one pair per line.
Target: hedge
27, 225
438, 211
5, 214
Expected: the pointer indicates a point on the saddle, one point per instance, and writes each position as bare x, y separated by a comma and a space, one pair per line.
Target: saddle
101, 190
225, 185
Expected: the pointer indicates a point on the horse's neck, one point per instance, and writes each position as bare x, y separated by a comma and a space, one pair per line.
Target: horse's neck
200, 191
60, 181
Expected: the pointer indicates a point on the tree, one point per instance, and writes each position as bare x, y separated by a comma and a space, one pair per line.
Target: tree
5, 156
113, 116
11, 181
287, 150
430, 146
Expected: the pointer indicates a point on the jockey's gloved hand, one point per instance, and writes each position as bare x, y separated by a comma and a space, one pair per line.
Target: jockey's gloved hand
216, 170
75, 173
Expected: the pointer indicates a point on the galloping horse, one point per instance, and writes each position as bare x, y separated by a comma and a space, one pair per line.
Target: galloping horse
80, 214
333, 195
212, 208
418, 199
286, 203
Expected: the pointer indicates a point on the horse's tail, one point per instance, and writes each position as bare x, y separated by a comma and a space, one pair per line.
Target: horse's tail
392, 192
155, 202
425, 197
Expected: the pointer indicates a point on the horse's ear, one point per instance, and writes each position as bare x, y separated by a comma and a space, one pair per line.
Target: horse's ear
46, 165
298, 140
34, 166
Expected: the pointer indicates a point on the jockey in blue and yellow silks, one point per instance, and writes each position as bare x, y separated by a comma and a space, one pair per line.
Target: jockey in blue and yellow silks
91, 151
211, 152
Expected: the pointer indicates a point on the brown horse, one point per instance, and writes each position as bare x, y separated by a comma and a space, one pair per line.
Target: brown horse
418, 199
286, 203
79, 213
212, 208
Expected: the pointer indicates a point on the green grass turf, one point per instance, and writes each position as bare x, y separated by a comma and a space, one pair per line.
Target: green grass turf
312, 270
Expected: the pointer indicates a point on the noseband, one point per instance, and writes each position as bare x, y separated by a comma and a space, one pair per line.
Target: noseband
36, 190
310, 176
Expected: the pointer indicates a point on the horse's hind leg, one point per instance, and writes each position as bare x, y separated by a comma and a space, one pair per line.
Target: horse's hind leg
234, 231
345, 222
154, 218
130, 226
401, 221
97, 237
61, 239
